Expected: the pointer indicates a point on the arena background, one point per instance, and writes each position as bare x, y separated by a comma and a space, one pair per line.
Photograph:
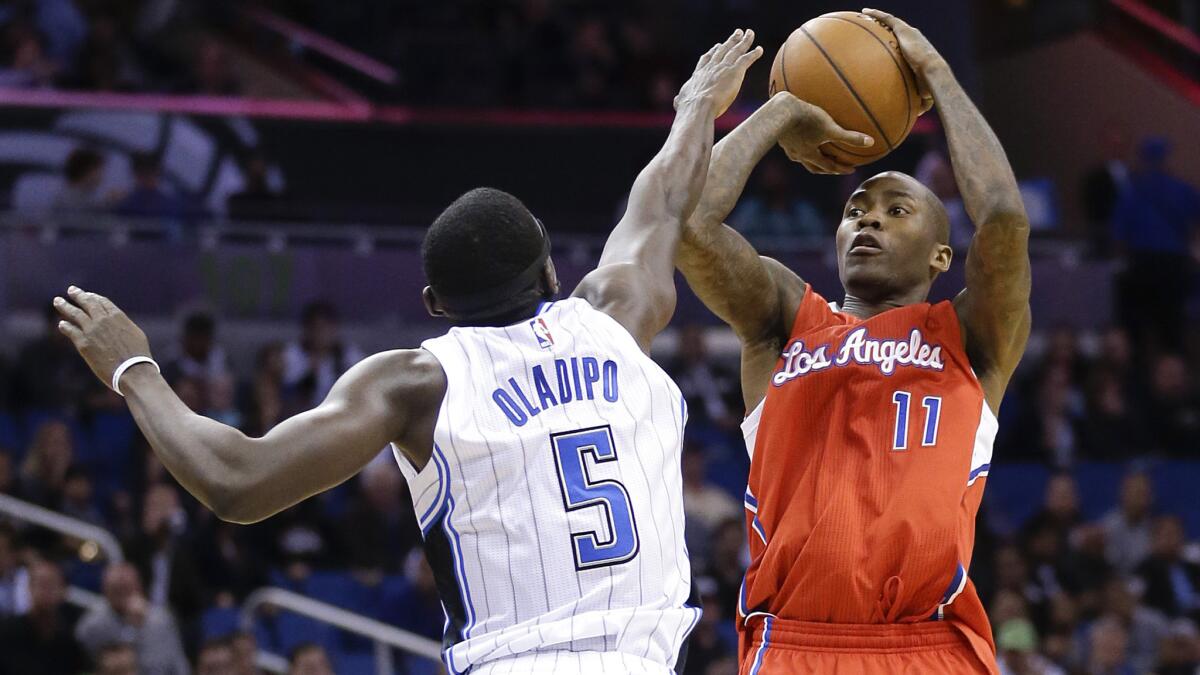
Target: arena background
249, 180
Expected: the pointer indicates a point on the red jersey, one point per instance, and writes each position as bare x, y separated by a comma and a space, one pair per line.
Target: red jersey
869, 456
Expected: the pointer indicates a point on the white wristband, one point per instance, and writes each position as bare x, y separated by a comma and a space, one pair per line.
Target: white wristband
129, 363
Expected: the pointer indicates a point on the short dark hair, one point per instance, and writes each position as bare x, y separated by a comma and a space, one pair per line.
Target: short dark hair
483, 240
318, 309
200, 323
144, 163
80, 163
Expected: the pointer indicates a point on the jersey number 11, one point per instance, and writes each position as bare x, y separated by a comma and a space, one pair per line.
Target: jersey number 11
933, 410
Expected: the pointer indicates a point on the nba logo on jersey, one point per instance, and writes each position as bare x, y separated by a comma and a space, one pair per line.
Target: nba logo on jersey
542, 332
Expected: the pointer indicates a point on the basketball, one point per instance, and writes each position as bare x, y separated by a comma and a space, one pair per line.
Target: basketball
851, 66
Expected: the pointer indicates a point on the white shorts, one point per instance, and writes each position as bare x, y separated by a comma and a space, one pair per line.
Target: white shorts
572, 663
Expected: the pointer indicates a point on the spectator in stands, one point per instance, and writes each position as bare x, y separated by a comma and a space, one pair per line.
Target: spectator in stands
1127, 528
117, 658
1180, 650
1048, 427
43, 639
309, 659
263, 398
148, 198
708, 641
1115, 428
302, 538
381, 518
228, 560
25, 63
48, 374
711, 391
705, 505
1045, 553
49, 456
1172, 582
312, 363
1154, 224
78, 497
1143, 628
222, 401
216, 657
1086, 568
934, 170
8, 476
1107, 652
198, 354
245, 653
725, 564
418, 599
84, 173
1060, 509
14, 579
774, 213
108, 60
1016, 642
212, 71
1102, 186
1013, 575
1174, 408
128, 617
161, 553
258, 200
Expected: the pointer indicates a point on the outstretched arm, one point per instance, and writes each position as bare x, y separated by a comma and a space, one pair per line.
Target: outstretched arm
385, 398
994, 307
756, 296
634, 282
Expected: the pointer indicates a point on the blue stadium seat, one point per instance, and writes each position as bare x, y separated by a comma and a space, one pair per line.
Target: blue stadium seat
354, 662
10, 435
217, 622
292, 630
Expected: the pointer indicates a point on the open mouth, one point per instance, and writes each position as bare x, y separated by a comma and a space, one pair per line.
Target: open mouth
865, 244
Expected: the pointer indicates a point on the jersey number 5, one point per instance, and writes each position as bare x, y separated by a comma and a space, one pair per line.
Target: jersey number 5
572, 450
933, 410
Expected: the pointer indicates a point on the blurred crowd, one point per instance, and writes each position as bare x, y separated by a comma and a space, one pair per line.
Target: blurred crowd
1118, 595
95, 45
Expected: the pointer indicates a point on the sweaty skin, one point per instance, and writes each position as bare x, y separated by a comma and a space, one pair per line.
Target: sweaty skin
395, 396
891, 242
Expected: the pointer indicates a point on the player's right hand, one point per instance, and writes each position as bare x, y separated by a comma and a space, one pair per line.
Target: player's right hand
101, 332
814, 128
720, 71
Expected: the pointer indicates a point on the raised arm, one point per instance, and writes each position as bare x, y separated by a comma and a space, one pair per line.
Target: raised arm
387, 397
634, 282
756, 296
994, 307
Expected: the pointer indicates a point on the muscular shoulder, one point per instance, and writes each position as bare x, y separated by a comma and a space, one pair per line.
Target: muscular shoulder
413, 376
629, 295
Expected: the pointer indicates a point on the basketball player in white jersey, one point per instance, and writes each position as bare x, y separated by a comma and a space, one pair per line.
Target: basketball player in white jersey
540, 442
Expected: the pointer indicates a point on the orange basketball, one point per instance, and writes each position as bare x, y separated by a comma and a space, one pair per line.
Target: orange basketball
850, 65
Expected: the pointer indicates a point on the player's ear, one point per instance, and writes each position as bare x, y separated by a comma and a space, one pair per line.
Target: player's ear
550, 279
431, 303
942, 255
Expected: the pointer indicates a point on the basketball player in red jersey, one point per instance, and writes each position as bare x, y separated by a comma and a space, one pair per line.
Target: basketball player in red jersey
872, 421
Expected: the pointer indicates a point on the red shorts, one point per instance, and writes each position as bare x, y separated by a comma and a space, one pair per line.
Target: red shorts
781, 647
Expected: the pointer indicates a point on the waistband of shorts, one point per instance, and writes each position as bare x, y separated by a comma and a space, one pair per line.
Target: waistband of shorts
842, 637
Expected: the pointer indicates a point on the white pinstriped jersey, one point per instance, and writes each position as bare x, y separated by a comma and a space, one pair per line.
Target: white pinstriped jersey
552, 508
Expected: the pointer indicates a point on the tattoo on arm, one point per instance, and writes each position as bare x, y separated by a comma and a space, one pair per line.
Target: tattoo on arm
721, 267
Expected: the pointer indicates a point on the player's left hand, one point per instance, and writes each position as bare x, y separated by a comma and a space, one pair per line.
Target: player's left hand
918, 51
720, 71
101, 332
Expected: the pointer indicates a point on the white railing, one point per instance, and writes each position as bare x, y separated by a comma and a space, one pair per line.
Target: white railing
52, 520
384, 636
